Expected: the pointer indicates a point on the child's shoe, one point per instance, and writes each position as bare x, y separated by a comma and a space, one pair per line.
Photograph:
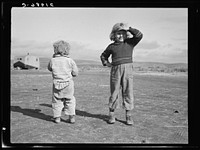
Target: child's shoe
72, 119
57, 120
129, 120
111, 117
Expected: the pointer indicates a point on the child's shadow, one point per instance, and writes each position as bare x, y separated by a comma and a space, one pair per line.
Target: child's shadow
85, 114
36, 113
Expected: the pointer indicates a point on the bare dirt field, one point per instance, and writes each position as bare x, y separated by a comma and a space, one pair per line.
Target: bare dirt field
160, 114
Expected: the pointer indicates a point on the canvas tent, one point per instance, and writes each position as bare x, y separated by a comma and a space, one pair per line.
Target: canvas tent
27, 62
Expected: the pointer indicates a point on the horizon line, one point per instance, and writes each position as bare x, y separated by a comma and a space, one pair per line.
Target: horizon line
133, 61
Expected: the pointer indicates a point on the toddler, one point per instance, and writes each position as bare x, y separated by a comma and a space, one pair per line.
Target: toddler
63, 70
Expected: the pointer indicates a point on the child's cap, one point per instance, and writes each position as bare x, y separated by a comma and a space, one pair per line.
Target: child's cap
61, 47
118, 27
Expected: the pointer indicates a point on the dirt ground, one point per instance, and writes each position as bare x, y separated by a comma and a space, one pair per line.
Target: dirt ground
160, 114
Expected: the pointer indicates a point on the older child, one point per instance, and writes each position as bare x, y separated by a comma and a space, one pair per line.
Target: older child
63, 69
121, 76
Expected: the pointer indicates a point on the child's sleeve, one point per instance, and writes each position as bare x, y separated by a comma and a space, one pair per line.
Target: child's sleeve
105, 55
74, 68
49, 67
137, 36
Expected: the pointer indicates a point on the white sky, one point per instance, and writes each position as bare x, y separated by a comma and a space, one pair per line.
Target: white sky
165, 31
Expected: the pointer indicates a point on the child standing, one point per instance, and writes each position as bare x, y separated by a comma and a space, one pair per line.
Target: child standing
121, 76
63, 69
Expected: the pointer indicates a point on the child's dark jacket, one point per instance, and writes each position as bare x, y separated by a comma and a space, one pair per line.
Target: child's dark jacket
122, 51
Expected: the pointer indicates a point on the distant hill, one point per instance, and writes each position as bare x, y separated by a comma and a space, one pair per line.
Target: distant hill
138, 66
160, 67
80, 63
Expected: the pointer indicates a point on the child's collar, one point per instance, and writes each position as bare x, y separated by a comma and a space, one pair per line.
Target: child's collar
118, 42
58, 55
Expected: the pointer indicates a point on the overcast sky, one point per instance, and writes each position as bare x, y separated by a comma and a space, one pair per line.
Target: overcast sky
165, 31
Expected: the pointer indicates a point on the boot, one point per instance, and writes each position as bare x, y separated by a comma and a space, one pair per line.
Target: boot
111, 117
72, 119
129, 120
57, 120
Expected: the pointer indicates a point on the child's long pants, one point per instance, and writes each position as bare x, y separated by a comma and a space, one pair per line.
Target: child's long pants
64, 100
121, 78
